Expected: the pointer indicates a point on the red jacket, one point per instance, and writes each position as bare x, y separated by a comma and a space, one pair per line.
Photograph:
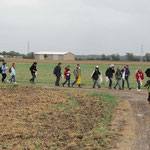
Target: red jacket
139, 75
67, 73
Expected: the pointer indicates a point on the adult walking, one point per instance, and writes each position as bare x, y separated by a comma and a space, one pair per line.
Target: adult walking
118, 76
3, 71
95, 76
109, 74
33, 72
77, 75
139, 77
125, 76
67, 74
57, 73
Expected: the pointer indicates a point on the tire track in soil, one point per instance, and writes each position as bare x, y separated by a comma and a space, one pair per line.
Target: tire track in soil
141, 112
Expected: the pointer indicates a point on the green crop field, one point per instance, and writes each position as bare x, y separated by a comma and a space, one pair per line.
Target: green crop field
45, 72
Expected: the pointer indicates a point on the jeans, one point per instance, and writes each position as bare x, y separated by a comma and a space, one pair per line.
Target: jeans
13, 78
139, 85
110, 82
118, 83
75, 81
33, 77
96, 83
67, 80
128, 84
57, 80
4, 77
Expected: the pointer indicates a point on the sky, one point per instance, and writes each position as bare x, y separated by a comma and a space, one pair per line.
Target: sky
78, 26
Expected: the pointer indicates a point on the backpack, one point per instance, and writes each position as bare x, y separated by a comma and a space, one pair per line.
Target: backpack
10, 69
55, 71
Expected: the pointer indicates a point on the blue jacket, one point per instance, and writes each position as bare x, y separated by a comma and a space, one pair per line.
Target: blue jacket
3, 68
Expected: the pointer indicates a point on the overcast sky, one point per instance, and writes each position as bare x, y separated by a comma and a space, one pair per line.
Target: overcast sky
79, 26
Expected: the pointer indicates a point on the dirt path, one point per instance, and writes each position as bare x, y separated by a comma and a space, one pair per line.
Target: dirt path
136, 135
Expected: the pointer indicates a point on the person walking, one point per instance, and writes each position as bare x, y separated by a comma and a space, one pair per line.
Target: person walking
67, 74
139, 77
109, 74
77, 75
57, 73
33, 72
125, 76
118, 76
147, 85
3, 71
12, 73
95, 76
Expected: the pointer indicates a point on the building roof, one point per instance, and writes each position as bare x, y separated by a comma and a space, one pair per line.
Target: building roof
52, 53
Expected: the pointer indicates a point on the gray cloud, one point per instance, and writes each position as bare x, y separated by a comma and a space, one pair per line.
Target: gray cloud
80, 26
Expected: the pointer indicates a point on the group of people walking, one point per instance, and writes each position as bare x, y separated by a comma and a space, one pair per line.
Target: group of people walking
11, 70
67, 75
120, 75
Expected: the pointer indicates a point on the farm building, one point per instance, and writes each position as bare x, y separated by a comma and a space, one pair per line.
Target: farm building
54, 56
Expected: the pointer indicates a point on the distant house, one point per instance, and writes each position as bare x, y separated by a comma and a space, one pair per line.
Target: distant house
54, 56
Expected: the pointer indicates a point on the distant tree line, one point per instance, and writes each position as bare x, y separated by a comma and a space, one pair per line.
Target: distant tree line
17, 54
114, 57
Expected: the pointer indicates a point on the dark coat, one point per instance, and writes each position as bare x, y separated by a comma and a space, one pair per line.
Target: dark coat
57, 71
96, 74
109, 72
32, 68
127, 72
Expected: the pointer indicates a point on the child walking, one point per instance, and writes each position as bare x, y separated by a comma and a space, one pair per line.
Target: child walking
118, 76
95, 76
3, 71
12, 73
67, 74
33, 72
139, 77
77, 75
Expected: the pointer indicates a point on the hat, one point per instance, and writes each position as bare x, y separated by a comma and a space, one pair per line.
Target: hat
112, 65
96, 67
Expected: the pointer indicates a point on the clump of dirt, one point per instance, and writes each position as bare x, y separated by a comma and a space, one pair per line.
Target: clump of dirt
34, 118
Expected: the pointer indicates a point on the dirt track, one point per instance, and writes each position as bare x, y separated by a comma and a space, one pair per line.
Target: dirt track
137, 133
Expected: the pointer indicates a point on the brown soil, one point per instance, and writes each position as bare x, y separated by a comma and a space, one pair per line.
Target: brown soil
132, 120
135, 135
80, 62
28, 120
50, 119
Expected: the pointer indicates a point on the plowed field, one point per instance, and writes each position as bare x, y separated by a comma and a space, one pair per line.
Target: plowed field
36, 118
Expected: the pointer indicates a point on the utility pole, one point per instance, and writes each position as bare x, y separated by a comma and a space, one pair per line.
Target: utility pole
142, 51
28, 47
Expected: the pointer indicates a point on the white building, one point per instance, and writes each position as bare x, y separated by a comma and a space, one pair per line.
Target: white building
54, 56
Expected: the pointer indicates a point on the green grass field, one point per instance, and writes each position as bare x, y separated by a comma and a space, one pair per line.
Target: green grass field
45, 73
